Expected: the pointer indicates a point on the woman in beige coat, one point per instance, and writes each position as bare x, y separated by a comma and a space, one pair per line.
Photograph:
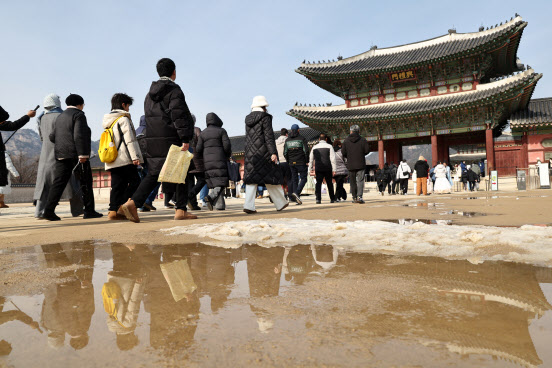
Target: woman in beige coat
124, 174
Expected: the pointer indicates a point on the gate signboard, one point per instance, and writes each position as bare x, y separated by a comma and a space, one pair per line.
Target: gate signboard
521, 180
494, 180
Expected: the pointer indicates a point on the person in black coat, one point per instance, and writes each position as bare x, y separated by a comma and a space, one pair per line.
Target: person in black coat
8, 126
196, 173
261, 157
71, 137
355, 148
422, 170
214, 147
168, 122
234, 175
387, 178
471, 177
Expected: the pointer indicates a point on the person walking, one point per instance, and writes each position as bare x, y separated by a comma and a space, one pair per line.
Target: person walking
354, 150
124, 174
284, 165
422, 170
261, 157
71, 138
472, 178
7, 126
482, 167
234, 176
214, 147
442, 184
403, 174
394, 180
46, 163
143, 171
477, 170
387, 178
296, 153
196, 173
322, 163
380, 180
340, 172
168, 122
6, 189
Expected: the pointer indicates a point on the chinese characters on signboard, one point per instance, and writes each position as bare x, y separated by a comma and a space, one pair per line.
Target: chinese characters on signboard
402, 76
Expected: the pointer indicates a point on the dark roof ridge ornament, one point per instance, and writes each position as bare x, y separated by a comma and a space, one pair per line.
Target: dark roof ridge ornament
339, 57
452, 30
481, 29
374, 47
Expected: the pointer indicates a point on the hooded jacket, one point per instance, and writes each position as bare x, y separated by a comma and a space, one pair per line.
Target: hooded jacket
71, 135
296, 149
403, 171
164, 128
354, 149
128, 150
341, 168
322, 158
214, 147
422, 169
259, 147
280, 143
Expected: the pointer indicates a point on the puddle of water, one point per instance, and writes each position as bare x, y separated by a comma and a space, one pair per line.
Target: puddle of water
463, 213
251, 306
408, 222
423, 205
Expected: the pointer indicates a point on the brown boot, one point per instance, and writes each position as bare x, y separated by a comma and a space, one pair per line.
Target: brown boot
2, 204
114, 215
184, 215
130, 211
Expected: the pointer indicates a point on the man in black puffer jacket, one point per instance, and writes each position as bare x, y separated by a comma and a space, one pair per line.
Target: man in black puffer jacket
215, 148
296, 152
72, 138
355, 148
168, 122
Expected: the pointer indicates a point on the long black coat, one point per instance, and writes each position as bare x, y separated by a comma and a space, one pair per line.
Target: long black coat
197, 167
71, 135
165, 128
354, 149
259, 146
7, 126
215, 148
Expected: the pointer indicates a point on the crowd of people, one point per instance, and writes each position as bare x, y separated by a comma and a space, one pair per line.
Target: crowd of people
281, 166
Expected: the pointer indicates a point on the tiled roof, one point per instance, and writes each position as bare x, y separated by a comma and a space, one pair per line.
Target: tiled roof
238, 142
417, 106
537, 113
395, 58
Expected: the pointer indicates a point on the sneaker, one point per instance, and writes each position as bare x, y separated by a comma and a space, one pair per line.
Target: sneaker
360, 200
354, 200
203, 204
149, 207
169, 206
318, 201
334, 201
296, 198
143, 209
93, 215
249, 212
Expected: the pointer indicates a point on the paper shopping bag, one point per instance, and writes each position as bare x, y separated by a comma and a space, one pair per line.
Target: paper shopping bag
179, 277
176, 166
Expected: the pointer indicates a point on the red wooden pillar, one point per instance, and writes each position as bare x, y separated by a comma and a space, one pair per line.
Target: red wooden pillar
434, 150
381, 153
525, 150
489, 146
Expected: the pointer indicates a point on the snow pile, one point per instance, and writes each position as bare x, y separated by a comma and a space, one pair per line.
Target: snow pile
528, 244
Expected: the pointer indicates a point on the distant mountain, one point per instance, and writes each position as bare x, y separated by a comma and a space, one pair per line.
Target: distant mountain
25, 141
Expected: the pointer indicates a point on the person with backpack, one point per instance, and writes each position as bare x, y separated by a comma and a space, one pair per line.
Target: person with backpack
124, 174
296, 153
72, 139
403, 174
214, 147
168, 122
354, 150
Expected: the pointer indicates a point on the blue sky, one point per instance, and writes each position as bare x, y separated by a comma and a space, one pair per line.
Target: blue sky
226, 52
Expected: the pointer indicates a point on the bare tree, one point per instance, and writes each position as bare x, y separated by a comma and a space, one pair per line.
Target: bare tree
27, 168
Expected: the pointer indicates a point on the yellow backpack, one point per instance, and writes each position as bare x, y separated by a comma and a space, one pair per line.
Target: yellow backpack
111, 296
107, 151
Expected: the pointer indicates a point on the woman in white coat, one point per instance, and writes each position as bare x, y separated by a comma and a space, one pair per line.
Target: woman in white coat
442, 184
7, 189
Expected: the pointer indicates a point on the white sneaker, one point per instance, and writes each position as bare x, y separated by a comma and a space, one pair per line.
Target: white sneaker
203, 204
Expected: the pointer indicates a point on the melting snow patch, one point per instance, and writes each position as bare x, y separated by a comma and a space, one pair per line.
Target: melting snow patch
528, 244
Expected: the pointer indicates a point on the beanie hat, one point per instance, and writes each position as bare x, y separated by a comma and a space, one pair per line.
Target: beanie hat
3, 115
51, 101
259, 101
355, 128
295, 127
193, 117
74, 100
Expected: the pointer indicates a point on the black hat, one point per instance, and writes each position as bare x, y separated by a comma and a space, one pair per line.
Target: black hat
74, 100
3, 115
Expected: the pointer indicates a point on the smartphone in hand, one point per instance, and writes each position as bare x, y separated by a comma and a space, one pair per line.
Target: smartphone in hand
36, 108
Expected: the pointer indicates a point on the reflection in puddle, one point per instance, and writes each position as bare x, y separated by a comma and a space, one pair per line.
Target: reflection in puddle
424, 221
423, 205
464, 213
276, 306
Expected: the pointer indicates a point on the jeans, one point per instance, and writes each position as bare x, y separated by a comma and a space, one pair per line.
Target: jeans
124, 181
296, 172
203, 192
274, 191
320, 176
340, 192
63, 169
150, 182
356, 177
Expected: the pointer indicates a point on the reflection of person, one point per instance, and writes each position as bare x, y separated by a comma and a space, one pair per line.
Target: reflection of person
325, 256
219, 276
12, 315
68, 305
297, 263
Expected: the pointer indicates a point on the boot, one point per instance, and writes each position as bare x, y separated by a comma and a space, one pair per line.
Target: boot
114, 215
184, 215
130, 211
2, 204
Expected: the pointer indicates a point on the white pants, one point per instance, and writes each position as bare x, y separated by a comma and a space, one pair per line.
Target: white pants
276, 192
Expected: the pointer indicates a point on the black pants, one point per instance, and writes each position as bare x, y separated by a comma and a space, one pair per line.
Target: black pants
387, 184
195, 182
150, 182
404, 185
124, 181
320, 176
63, 169
3, 169
340, 192
396, 186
